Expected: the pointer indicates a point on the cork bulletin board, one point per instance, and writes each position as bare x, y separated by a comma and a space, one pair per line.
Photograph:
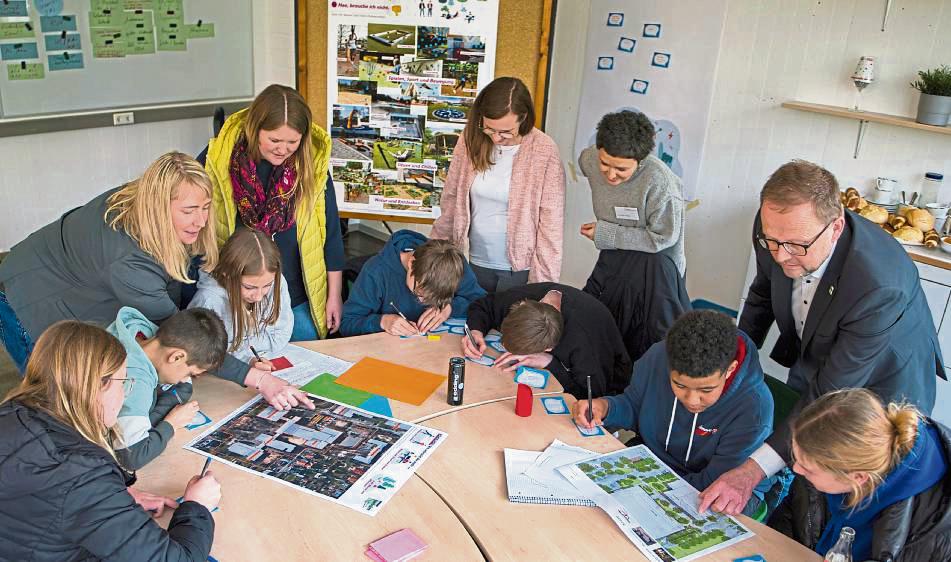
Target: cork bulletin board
522, 51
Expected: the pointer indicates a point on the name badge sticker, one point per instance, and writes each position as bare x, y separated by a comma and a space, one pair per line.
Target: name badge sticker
626, 213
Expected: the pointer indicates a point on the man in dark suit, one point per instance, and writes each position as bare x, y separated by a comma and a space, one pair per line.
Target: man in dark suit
849, 306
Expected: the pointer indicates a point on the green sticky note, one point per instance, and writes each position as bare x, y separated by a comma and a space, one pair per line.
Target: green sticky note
27, 71
99, 6
203, 31
326, 385
169, 5
140, 44
113, 18
168, 17
172, 41
138, 4
138, 22
16, 30
108, 43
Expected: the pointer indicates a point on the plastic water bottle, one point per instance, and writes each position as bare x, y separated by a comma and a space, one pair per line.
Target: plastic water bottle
842, 550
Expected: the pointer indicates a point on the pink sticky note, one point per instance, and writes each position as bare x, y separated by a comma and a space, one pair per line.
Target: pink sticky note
396, 547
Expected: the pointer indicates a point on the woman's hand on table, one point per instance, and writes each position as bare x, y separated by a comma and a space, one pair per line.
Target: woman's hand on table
279, 393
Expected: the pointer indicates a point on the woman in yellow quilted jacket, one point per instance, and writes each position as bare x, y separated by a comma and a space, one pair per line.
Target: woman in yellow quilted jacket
268, 165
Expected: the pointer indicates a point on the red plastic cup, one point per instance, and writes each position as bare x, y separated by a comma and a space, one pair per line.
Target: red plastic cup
523, 401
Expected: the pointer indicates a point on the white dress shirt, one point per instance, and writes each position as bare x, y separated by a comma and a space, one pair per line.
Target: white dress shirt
803, 293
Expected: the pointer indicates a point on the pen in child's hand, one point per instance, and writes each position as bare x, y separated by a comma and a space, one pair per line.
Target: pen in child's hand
256, 355
177, 397
469, 335
204, 469
403, 316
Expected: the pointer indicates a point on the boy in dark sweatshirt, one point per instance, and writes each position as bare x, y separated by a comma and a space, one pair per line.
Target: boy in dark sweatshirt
554, 327
412, 286
698, 399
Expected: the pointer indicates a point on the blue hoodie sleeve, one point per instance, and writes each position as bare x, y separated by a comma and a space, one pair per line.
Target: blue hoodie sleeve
623, 409
363, 310
469, 290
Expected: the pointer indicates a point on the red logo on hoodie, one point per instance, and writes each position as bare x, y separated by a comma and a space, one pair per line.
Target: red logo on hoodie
704, 432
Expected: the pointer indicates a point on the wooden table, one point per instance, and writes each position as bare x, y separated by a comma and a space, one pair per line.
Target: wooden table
261, 519
468, 472
482, 384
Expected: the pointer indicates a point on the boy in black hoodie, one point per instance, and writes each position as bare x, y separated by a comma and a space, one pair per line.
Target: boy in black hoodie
698, 399
554, 327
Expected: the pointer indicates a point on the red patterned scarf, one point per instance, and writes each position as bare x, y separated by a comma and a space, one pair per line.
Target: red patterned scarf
267, 211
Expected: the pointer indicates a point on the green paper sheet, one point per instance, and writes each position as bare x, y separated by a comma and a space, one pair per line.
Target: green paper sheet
203, 31
15, 30
113, 19
99, 5
108, 43
138, 23
32, 71
140, 44
166, 5
326, 385
138, 4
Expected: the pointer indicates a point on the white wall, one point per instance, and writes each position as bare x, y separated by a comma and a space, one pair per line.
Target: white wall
805, 50
44, 175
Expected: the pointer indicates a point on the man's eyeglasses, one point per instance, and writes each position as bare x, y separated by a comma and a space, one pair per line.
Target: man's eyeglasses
792, 248
127, 384
509, 134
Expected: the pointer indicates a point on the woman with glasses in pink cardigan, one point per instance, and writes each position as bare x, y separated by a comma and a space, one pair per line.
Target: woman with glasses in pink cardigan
504, 198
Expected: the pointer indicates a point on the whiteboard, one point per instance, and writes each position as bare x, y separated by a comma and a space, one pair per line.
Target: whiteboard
209, 68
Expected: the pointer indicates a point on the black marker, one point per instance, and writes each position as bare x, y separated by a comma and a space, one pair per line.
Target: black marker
590, 410
256, 355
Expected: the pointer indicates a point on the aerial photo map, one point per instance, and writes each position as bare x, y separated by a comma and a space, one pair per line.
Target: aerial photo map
338, 452
653, 506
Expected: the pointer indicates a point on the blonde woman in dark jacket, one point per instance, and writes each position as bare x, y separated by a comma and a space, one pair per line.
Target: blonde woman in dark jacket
880, 470
63, 496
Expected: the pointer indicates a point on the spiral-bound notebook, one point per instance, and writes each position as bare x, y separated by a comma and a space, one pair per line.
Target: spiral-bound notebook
524, 489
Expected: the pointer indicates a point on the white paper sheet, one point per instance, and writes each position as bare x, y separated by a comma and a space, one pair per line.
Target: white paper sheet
308, 364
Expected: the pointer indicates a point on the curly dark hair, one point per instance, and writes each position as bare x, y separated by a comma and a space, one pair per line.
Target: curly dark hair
701, 343
626, 134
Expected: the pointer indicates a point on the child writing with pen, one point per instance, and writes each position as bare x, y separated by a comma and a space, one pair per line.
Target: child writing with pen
412, 286
161, 361
248, 292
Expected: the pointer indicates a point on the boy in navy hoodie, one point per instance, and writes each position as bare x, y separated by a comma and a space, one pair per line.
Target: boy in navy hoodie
412, 286
698, 399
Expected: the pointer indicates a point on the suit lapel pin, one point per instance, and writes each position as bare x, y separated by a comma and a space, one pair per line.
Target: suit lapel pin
831, 290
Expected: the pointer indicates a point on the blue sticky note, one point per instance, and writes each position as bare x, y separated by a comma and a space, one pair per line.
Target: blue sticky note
485, 361
57, 42
49, 24
199, 420
48, 7
66, 61
660, 59
378, 405
605, 63
497, 345
555, 405
640, 86
651, 30
593, 432
615, 19
626, 44
18, 51
535, 378
754, 558
10, 9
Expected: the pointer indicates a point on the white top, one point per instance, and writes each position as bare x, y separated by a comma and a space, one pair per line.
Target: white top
803, 292
489, 203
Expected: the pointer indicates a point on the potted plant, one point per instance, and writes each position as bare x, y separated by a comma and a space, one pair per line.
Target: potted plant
934, 107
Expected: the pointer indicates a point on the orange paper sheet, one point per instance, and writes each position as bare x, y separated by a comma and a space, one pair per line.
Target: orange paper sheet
405, 384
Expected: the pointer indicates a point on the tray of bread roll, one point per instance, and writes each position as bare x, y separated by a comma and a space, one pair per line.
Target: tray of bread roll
909, 225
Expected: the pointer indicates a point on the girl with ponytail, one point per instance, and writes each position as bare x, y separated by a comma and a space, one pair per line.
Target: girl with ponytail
883, 470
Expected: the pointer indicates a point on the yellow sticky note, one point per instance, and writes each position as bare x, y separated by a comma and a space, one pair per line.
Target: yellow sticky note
432, 337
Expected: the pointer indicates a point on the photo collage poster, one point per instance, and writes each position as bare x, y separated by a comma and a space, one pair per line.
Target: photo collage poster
402, 78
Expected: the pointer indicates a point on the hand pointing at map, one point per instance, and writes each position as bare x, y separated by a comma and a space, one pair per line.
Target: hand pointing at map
278, 392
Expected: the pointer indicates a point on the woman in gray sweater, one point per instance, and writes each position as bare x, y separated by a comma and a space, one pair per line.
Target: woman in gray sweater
639, 206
